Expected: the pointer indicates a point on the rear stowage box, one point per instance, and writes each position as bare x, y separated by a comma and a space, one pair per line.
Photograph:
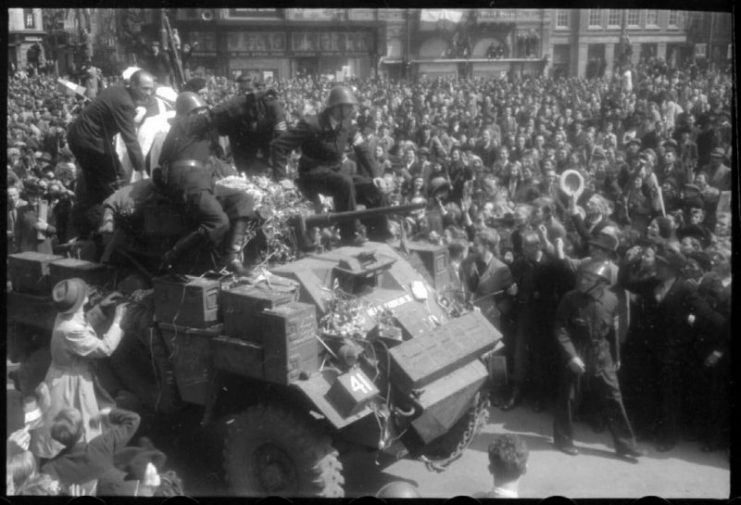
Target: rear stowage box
95, 274
186, 301
29, 272
289, 342
189, 352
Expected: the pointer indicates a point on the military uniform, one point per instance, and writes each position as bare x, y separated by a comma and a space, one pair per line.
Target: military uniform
189, 139
250, 136
582, 328
322, 144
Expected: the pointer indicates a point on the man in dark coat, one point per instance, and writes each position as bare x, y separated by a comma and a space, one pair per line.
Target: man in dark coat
673, 314
536, 276
250, 137
186, 178
90, 139
83, 463
322, 140
584, 328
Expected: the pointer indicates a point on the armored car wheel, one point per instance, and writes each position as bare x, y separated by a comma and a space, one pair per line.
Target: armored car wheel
273, 451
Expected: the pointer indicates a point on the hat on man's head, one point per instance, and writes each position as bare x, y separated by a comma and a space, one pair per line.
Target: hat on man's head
634, 140
718, 152
672, 259
68, 295
671, 143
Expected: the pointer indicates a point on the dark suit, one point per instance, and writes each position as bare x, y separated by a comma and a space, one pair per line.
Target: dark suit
672, 339
584, 326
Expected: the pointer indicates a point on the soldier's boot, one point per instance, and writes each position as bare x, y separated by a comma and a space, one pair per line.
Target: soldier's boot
181, 246
233, 259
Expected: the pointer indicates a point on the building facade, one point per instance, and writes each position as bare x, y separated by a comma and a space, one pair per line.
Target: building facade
588, 42
362, 43
25, 38
710, 34
283, 43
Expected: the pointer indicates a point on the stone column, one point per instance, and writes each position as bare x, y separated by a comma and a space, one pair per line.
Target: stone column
609, 59
636, 56
661, 50
581, 60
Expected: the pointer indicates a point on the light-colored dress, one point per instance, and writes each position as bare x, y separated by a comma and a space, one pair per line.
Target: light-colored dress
71, 377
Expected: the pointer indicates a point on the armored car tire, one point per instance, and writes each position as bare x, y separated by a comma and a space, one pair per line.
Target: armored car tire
271, 450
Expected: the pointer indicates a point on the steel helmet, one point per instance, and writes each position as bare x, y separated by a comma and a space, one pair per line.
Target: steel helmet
599, 269
187, 102
439, 184
398, 489
341, 95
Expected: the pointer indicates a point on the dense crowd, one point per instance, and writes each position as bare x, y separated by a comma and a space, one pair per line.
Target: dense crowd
647, 187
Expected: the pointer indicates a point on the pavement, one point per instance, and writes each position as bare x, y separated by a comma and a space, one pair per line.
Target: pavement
685, 472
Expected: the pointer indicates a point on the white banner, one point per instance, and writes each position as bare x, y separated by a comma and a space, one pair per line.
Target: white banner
435, 15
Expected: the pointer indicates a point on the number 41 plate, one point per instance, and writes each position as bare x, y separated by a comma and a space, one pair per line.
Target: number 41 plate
351, 391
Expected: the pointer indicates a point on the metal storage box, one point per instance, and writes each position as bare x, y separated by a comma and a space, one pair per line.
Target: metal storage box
242, 305
289, 342
422, 360
187, 301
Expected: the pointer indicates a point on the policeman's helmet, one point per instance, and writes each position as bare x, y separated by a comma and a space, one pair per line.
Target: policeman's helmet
398, 489
439, 184
187, 102
341, 95
600, 269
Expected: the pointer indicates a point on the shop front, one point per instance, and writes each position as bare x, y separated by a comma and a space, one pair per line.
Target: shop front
286, 53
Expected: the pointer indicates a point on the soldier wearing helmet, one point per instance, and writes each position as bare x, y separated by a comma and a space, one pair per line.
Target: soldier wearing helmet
585, 329
187, 177
322, 140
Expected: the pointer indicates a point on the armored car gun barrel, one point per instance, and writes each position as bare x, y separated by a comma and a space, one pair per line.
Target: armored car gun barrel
301, 224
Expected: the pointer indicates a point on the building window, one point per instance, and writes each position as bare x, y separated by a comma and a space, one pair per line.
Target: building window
595, 17
674, 19
615, 17
29, 19
652, 18
562, 18
634, 17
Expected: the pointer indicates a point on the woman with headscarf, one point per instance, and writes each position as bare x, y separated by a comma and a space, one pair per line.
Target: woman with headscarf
71, 378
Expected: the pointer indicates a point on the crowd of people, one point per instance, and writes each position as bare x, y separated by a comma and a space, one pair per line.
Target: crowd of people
538, 187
